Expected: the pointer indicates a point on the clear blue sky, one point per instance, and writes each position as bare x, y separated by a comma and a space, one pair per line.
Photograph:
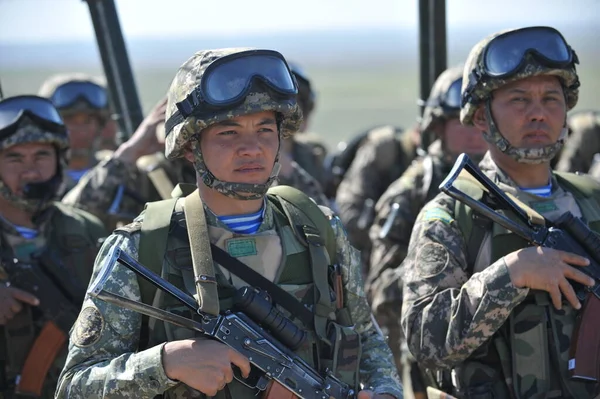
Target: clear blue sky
58, 20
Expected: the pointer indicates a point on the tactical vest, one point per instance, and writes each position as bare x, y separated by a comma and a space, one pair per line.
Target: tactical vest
528, 356
73, 240
301, 244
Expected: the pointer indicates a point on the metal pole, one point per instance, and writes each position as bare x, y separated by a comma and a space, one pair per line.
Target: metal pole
121, 84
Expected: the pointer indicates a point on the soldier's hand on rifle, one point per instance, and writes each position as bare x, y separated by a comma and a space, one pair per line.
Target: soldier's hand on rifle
144, 140
202, 364
547, 269
11, 301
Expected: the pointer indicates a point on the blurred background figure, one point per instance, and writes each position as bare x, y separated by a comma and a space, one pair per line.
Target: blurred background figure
82, 101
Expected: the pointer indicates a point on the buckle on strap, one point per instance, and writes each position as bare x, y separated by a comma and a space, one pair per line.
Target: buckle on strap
203, 278
312, 236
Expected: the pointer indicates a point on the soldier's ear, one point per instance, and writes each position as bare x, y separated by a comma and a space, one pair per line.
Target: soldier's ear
188, 154
480, 119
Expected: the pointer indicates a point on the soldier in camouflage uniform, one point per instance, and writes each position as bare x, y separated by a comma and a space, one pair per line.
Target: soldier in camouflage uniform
381, 159
234, 149
583, 143
137, 172
307, 148
82, 101
398, 207
33, 228
490, 314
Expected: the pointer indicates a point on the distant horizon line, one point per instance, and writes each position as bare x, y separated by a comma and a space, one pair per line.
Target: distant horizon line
262, 34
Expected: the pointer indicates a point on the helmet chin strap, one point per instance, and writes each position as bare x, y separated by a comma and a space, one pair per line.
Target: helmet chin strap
241, 191
530, 156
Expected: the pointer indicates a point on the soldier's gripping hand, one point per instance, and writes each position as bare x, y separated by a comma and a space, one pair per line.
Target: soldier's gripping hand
202, 364
547, 269
11, 301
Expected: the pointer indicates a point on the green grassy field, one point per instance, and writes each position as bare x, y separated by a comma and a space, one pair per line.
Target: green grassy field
350, 99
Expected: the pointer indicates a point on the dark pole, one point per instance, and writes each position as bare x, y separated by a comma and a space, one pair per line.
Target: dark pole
119, 76
432, 45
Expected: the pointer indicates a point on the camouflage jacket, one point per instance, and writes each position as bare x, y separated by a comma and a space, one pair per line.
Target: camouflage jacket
303, 181
417, 186
378, 162
450, 312
72, 236
116, 191
104, 360
583, 143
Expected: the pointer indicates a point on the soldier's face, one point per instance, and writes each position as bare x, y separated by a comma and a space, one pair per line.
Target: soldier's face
83, 129
242, 149
27, 163
459, 138
530, 113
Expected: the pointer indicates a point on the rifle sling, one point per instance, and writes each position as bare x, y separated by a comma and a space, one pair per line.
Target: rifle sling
45, 349
250, 276
204, 273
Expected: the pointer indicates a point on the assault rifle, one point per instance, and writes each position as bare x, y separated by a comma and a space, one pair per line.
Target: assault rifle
568, 233
276, 370
60, 298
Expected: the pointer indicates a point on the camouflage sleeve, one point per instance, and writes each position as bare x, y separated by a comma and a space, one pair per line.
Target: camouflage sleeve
103, 361
447, 314
377, 369
359, 190
103, 190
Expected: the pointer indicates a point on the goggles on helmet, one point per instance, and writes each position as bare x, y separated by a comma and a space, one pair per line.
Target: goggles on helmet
39, 109
451, 99
228, 80
505, 54
68, 94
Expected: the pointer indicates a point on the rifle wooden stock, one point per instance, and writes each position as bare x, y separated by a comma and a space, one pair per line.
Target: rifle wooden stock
45, 349
584, 354
278, 391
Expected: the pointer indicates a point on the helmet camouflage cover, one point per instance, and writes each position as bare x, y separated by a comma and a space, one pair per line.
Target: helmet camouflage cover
434, 109
477, 89
30, 132
188, 78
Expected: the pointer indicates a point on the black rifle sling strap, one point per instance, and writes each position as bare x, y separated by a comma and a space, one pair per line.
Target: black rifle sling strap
255, 279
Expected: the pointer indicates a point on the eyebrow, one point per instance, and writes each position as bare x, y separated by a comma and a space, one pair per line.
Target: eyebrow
17, 155
521, 91
265, 121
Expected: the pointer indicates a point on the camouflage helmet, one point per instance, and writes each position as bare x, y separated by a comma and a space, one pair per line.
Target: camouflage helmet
478, 87
306, 94
54, 82
437, 107
187, 80
28, 131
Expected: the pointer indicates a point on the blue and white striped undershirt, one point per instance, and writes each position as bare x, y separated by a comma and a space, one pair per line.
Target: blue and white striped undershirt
544, 191
244, 224
25, 232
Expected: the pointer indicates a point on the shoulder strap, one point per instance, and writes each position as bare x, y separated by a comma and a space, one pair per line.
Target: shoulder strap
153, 242
472, 227
581, 185
314, 227
586, 191
303, 207
204, 270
